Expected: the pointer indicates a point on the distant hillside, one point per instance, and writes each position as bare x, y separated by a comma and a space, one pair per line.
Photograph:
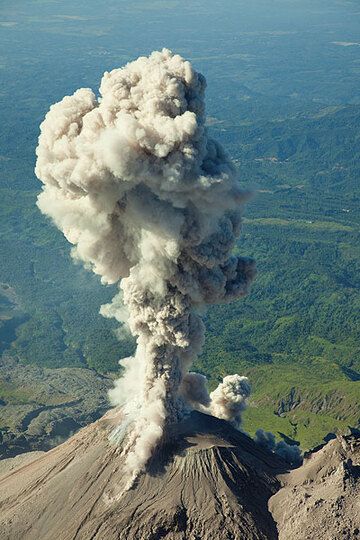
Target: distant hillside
321, 151
297, 335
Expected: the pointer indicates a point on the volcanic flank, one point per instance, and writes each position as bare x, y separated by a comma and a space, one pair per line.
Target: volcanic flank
207, 480
149, 201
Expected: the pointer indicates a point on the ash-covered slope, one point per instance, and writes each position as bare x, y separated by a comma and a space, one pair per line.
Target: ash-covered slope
321, 499
208, 481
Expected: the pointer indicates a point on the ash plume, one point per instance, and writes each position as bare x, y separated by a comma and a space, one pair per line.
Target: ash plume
151, 202
289, 452
229, 399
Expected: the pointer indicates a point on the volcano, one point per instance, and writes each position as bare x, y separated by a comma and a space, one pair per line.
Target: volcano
206, 481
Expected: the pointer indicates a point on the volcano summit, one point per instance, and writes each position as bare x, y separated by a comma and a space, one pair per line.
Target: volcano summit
207, 480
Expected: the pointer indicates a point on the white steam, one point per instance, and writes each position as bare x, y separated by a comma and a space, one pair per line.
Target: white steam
146, 197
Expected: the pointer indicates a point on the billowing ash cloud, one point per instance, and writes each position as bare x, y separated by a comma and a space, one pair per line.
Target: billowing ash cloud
290, 453
229, 399
146, 197
194, 390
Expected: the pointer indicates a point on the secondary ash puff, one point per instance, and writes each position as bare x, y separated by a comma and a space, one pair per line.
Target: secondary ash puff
151, 202
289, 452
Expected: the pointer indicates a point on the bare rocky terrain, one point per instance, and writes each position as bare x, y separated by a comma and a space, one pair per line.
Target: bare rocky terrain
207, 482
41, 407
10, 464
321, 499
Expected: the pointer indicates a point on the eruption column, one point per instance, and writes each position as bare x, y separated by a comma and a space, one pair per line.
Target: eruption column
148, 201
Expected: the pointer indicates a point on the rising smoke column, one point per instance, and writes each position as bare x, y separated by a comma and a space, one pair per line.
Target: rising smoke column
148, 201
